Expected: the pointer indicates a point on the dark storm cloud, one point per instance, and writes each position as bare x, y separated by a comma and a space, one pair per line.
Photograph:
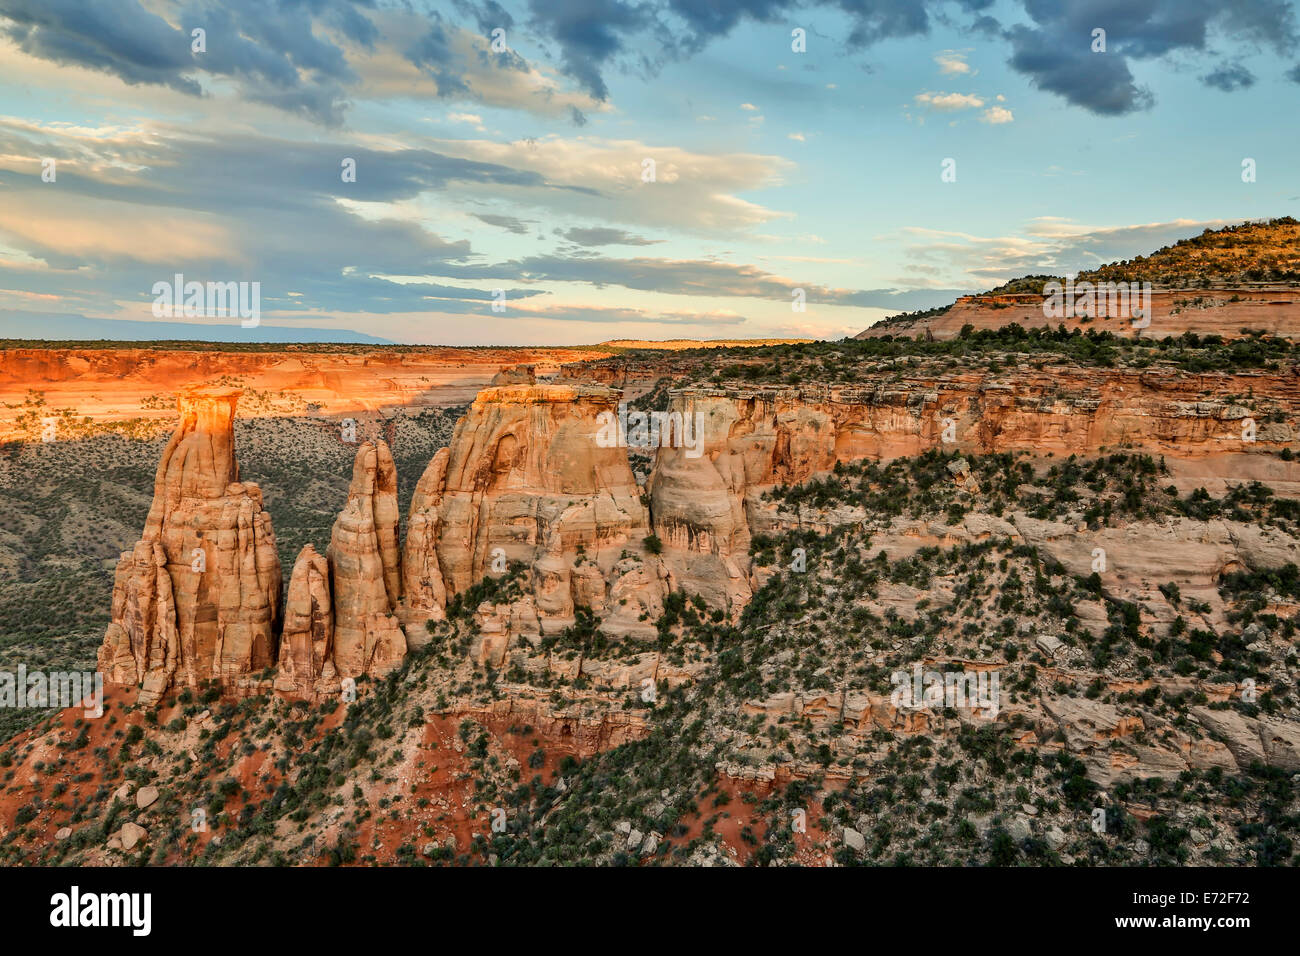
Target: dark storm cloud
707, 20
124, 39
590, 33
1229, 77
435, 54
1065, 65
593, 35
278, 53
489, 15
271, 47
1056, 52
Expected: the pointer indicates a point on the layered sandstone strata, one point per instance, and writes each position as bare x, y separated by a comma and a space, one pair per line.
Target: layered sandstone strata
699, 498
705, 506
1225, 312
197, 598
110, 385
529, 478
366, 566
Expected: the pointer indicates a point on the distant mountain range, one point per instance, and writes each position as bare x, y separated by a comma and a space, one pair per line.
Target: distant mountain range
21, 324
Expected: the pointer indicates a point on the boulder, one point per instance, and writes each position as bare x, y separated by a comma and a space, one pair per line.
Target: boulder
131, 834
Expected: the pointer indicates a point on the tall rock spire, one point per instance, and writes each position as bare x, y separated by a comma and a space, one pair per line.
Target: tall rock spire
306, 664
197, 598
367, 571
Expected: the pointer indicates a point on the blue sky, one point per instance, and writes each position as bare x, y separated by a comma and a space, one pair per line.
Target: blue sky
520, 169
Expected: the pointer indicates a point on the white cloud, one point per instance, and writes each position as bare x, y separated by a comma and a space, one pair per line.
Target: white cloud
798, 137
749, 106
952, 62
473, 119
600, 180
949, 102
996, 115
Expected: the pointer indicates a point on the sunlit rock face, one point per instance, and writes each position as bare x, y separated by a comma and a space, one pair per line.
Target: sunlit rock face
366, 569
197, 598
305, 667
532, 476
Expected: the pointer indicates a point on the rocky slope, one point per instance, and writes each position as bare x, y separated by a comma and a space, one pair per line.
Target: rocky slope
1230, 312
1225, 282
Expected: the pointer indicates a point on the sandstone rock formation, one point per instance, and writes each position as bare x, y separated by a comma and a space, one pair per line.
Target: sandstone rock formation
366, 565
529, 478
701, 498
306, 663
197, 598
1224, 312
526, 480
705, 508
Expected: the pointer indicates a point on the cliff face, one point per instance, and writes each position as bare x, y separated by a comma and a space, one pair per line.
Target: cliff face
531, 477
527, 478
788, 434
197, 598
1222, 312
704, 508
112, 385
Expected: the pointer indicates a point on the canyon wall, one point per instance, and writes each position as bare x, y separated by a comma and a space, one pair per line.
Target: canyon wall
1223, 312
120, 384
704, 508
535, 477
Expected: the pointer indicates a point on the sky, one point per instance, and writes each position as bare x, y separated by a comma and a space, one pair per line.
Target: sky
563, 173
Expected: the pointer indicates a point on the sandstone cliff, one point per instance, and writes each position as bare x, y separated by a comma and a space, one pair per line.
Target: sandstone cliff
706, 507
526, 480
1223, 312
